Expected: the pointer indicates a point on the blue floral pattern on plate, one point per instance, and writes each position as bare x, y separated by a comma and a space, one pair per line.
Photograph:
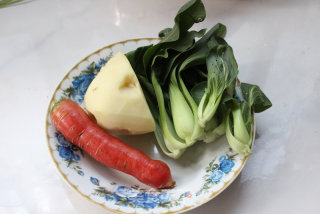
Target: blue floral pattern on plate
216, 176
136, 197
68, 152
81, 82
226, 164
95, 181
133, 196
216, 171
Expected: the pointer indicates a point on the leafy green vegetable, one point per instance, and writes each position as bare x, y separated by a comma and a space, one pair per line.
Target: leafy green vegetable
197, 91
135, 58
248, 99
190, 86
222, 71
255, 97
172, 141
161, 60
189, 61
181, 112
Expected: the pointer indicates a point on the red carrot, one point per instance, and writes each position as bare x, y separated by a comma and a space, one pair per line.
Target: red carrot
74, 123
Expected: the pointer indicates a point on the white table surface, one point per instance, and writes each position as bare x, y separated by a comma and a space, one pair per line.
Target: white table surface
276, 44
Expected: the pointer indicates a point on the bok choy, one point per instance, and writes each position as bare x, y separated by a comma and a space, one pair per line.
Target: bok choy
189, 81
239, 131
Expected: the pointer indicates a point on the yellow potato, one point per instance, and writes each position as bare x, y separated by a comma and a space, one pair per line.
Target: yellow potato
116, 100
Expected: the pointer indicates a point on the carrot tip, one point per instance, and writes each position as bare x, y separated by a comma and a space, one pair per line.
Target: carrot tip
172, 185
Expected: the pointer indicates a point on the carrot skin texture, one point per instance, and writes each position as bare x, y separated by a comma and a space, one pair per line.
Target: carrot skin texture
78, 128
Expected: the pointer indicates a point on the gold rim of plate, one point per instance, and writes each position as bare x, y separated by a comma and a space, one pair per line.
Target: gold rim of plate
74, 187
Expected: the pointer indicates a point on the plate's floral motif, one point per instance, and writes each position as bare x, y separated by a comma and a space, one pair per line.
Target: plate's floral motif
216, 171
94, 180
137, 197
69, 153
226, 163
131, 196
80, 85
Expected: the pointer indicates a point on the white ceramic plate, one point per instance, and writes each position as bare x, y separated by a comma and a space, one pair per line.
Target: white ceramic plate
201, 173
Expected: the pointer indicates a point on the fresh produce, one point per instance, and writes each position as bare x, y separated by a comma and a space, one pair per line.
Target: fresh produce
74, 123
239, 132
189, 79
116, 100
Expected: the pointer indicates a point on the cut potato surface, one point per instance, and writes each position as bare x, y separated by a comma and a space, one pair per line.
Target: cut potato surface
116, 100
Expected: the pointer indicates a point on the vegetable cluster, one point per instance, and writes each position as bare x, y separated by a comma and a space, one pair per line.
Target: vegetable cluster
189, 79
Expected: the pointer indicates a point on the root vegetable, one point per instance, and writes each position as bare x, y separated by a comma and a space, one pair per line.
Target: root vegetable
74, 123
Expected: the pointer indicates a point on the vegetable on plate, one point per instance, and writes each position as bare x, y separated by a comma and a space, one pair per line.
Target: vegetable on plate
248, 98
116, 100
189, 79
76, 125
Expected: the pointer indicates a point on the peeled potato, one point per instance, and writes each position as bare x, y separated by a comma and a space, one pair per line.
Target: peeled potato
116, 100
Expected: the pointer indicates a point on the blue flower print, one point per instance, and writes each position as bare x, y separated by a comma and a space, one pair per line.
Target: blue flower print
111, 197
98, 67
64, 148
95, 181
222, 158
81, 84
62, 140
76, 157
126, 191
102, 61
216, 176
145, 200
81, 173
65, 152
164, 197
132, 197
225, 164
